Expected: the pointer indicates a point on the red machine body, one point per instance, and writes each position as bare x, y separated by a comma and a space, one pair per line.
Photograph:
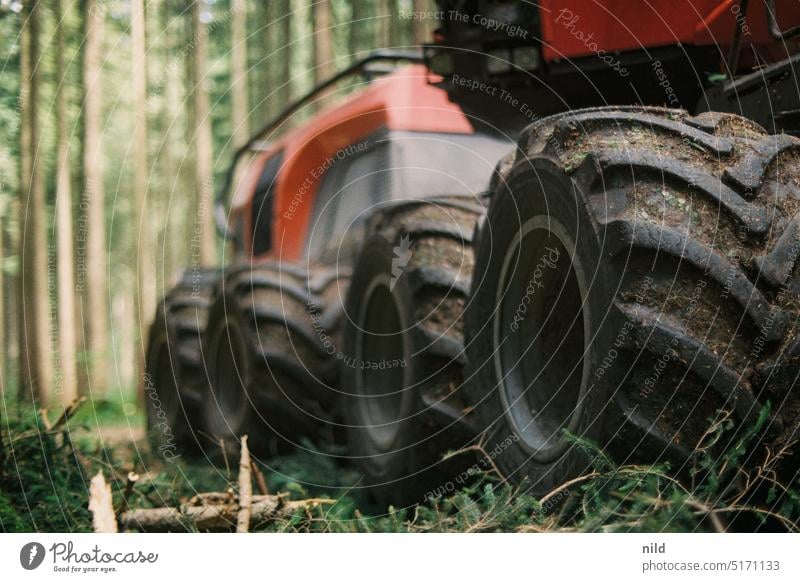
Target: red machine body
579, 28
406, 100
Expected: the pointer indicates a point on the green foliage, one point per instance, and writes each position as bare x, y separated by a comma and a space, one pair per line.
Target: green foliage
45, 478
43, 485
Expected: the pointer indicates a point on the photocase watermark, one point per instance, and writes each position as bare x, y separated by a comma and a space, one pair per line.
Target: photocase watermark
52, 292
508, 98
310, 183
357, 364
569, 20
664, 83
168, 449
196, 242
623, 334
329, 345
649, 384
546, 262
400, 260
486, 462
503, 95
763, 337
31, 555
81, 239
66, 559
741, 18
486, 22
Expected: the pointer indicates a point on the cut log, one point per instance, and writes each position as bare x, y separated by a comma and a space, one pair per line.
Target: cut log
214, 517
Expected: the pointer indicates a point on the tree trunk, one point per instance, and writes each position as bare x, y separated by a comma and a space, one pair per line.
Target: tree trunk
383, 24
323, 40
423, 27
398, 27
92, 275
239, 84
24, 367
203, 241
285, 57
143, 220
36, 381
67, 337
173, 166
358, 34
3, 355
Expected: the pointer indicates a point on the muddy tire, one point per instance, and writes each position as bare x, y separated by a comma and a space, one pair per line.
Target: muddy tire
636, 281
271, 355
174, 371
402, 369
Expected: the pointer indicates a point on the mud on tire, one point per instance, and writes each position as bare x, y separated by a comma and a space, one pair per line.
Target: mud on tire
402, 373
271, 354
636, 282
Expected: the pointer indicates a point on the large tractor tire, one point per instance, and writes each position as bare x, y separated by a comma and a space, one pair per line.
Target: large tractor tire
271, 353
402, 372
636, 282
174, 371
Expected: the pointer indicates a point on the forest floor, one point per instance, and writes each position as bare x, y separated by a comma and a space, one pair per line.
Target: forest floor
44, 478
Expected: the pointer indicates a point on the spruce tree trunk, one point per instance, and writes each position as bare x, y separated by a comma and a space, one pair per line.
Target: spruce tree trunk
67, 325
423, 27
3, 355
144, 230
398, 27
360, 35
173, 166
239, 69
323, 40
383, 23
285, 56
203, 237
93, 280
24, 367
35, 345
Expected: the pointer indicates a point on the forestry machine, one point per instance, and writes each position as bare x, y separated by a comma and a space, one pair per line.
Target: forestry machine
559, 226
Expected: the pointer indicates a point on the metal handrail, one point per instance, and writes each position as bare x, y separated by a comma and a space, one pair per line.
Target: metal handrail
358, 67
775, 32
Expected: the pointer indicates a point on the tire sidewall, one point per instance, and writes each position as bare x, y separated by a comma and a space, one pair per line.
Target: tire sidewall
224, 328
383, 468
165, 421
537, 188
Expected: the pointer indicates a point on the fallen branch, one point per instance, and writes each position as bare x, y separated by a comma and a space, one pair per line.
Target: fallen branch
215, 511
69, 410
101, 506
215, 516
58, 427
245, 489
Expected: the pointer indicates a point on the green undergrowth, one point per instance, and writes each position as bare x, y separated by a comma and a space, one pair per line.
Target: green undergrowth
44, 487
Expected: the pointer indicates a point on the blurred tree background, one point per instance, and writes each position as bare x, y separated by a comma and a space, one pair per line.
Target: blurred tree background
117, 119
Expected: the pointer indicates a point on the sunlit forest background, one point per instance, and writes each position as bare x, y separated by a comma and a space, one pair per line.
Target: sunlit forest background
117, 120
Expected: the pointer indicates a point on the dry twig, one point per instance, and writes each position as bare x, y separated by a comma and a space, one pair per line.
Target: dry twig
245, 489
262, 484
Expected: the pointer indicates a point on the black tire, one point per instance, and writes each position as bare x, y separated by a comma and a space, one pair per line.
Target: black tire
666, 291
403, 400
174, 374
270, 351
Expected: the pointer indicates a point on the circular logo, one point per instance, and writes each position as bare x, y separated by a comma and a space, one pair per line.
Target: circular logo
31, 555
